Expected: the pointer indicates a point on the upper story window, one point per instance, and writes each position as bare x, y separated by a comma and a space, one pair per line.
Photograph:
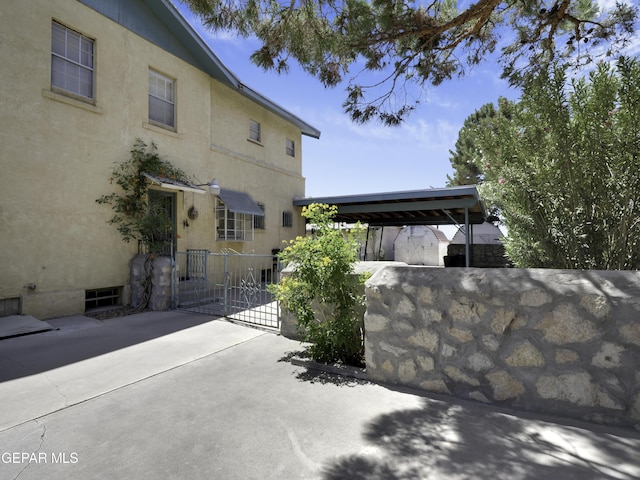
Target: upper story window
291, 148
254, 131
72, 61
162, 99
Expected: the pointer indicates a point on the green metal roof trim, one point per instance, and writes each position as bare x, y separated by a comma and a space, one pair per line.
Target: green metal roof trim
436, 206
160, 22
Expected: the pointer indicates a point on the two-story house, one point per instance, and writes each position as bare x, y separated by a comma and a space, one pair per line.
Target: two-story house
81, 81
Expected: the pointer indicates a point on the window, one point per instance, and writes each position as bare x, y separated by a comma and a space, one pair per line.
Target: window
231, 226
258, 221
291, 148
287, 219
71, 61
161, 99
102, 297
254, 131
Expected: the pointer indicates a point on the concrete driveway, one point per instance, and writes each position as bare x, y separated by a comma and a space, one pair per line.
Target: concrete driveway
179, 396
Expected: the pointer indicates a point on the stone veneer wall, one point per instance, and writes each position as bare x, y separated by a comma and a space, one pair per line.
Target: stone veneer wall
161, 270
551, 341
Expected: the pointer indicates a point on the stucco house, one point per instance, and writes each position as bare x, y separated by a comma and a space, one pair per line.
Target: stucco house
81, 81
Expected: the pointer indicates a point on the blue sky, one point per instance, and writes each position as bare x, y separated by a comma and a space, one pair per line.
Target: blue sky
350, 158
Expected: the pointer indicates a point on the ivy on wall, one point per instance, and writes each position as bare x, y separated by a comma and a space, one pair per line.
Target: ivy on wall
135, 217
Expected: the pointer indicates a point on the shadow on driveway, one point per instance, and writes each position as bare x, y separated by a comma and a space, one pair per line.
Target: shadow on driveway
79, 338
444, 440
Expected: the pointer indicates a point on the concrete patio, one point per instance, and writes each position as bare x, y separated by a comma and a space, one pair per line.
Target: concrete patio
175, 395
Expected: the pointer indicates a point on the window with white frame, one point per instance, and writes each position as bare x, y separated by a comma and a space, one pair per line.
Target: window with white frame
72, 61
254, 131
232, 226
291, 148
258, 221
162, 99
287, 219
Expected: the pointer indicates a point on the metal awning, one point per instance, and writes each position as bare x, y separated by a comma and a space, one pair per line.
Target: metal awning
436, 206
171, 184
240, 202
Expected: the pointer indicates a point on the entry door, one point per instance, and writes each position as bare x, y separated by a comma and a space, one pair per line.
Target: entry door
162, 212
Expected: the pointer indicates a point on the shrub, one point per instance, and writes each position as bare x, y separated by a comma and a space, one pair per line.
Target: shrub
322, 292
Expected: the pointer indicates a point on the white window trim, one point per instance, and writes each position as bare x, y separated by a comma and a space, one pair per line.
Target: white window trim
172, 101
242, 224
92, 68
290, 147
255, 127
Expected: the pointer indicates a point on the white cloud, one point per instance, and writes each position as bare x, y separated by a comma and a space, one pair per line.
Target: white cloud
432, 135
605, 5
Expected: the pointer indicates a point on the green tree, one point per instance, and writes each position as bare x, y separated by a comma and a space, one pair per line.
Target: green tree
564, 170
322, 292
466, 158
408, 43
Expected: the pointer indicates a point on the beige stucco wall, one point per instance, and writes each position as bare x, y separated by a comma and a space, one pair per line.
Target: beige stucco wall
58, 153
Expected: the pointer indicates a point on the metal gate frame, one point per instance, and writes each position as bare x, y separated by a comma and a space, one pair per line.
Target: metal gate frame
232, 285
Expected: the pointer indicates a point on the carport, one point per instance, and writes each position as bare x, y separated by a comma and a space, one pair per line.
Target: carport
459, 206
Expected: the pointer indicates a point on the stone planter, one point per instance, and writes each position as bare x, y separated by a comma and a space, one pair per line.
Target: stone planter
158, 271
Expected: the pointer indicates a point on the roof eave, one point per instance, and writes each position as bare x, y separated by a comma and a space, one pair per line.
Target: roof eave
214, 66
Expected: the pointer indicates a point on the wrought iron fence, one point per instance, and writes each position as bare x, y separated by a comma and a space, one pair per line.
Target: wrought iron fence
233, 285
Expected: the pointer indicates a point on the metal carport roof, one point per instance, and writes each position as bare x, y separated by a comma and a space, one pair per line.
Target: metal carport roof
435, 206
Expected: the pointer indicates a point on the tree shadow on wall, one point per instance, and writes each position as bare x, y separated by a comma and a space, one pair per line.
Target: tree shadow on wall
449, 441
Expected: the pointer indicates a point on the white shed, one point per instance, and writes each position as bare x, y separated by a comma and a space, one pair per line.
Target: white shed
421, 245
483, 234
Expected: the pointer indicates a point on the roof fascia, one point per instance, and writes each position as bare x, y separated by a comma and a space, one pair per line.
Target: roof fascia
461, 191
228, 77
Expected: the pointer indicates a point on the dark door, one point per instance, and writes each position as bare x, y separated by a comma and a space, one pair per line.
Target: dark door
162, 223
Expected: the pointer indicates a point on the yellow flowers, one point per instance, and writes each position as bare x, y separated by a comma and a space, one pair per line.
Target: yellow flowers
321, 211
326, 261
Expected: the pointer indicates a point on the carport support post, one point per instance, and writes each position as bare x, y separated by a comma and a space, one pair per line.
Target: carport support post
466, 237
366, 244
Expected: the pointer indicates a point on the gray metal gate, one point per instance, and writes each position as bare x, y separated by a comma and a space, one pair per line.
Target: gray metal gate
232, 285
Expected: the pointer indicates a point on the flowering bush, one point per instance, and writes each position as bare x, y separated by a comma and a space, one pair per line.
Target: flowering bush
322, 292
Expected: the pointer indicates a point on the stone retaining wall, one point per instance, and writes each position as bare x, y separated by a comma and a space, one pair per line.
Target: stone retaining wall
552, 341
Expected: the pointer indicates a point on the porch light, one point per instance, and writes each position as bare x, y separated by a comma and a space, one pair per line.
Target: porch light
214, 188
